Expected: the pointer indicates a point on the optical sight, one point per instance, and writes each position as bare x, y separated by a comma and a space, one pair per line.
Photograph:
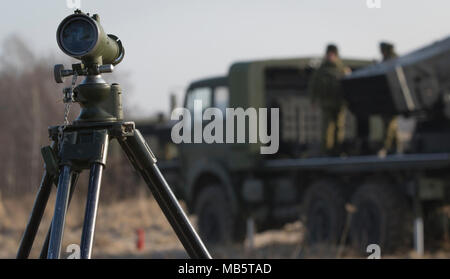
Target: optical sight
82, 37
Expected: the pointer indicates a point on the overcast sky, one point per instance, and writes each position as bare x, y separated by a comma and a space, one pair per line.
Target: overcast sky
172, 42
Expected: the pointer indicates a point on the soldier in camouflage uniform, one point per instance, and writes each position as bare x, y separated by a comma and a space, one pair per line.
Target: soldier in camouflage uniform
325, 91
390, 122
387, 50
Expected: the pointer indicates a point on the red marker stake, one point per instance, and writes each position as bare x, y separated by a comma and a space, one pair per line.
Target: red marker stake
140, 239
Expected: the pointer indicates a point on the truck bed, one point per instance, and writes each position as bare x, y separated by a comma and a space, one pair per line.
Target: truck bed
362, 163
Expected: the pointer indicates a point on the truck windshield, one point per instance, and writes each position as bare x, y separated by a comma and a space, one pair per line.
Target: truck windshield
221, 98
202, 94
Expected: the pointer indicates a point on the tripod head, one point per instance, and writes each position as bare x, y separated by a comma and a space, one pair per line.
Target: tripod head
82, 37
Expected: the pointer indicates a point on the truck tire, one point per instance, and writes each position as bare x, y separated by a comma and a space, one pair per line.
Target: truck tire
323, 213
382, 217
215, 221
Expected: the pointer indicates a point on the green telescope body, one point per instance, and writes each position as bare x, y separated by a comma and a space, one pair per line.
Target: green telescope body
82, 37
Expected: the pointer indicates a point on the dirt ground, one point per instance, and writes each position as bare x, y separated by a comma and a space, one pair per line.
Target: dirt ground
117, 225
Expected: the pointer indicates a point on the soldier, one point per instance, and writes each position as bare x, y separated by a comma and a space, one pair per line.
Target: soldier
390, 122
387, 51
325, 91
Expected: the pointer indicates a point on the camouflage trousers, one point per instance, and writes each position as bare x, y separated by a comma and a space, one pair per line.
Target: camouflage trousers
391, 124
333, 128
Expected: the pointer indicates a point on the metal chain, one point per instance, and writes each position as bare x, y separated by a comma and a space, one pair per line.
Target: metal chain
68, 99
66, 113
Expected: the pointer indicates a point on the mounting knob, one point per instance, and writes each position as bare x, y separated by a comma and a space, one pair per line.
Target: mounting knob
108, 68
60, 73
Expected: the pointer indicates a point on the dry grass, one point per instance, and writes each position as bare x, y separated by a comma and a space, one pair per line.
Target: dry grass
118, 222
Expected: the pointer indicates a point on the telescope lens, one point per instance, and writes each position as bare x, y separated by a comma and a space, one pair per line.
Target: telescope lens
78, 36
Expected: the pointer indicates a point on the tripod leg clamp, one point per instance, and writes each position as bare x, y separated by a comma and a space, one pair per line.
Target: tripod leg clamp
84, 147
50, 160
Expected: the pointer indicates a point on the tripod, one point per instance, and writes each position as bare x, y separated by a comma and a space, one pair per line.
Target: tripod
84, 145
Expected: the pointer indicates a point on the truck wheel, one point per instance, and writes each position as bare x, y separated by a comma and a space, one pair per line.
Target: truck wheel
381, 218
215, 223
324, 211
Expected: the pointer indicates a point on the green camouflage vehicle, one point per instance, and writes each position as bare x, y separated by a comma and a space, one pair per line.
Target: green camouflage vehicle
359, 196
224, 184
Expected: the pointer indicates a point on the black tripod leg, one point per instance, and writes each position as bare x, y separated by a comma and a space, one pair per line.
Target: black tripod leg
59, 217
44, 250
87, 237
144, 161
95, 180
36, 216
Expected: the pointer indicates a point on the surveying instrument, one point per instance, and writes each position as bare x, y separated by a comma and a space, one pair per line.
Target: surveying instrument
84, 143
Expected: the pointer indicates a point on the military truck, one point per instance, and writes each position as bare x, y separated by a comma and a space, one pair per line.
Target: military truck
359, 196
227, 183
